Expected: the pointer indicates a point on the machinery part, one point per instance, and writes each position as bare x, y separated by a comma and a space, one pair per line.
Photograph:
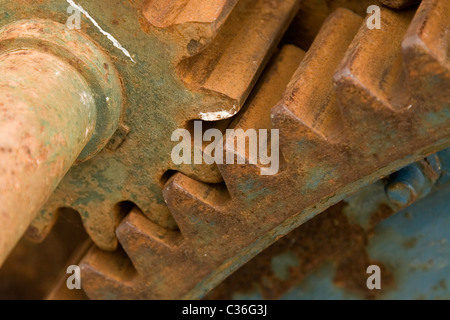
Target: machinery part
80, 52
32, 269
399, 4
60, 291
414, 181
45, 125
327, 257
161, 79
346, 119
313, 13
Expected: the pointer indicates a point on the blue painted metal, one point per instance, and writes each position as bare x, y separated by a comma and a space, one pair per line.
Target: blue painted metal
413, 245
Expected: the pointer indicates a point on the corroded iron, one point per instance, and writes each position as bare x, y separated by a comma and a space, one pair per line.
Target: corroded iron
51, 116
346, 118
414, 181
399, 4
43, 130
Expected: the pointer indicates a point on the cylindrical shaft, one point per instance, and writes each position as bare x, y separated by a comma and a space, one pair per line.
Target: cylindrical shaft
47, 116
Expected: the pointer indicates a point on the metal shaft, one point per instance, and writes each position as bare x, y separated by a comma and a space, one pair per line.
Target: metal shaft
47, 116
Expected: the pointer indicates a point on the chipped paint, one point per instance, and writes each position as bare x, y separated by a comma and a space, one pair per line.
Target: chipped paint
218, 115
108, 35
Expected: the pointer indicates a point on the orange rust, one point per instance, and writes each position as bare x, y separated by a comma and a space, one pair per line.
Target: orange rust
163, 13
399, 4
327, 238
329, 141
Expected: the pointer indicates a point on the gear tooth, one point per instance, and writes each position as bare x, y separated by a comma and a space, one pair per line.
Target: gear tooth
367, 77
167, 13
43, 223
310, 102
371, 91
147, 244
226, 70
99, 220
296, 138
361, 108
107, 275
231, 64
269, 90
304, 148
308, 116
425, 54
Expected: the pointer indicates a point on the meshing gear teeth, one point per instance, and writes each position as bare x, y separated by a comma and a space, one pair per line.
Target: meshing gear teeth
188, 261
361, 104
186, 65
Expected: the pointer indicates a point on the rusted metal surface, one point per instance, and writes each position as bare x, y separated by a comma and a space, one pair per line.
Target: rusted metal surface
357, 124
327, 257
30, 271
313, 13
161, 96
346, 118
170, 13
215, 69
49, 118
329, 238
